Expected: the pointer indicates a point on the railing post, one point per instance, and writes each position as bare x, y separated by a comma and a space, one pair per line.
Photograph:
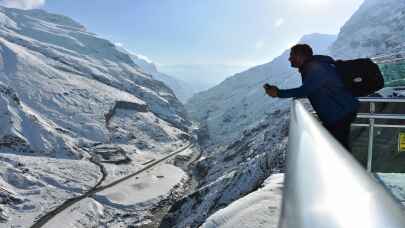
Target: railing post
370, 138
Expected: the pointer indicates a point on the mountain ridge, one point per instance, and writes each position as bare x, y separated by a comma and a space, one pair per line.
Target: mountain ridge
72, 103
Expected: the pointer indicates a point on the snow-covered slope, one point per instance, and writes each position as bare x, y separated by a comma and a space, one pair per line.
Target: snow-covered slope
182, 90
66, 94
376, 28
230, 172
239, 101
68, 78
261, 209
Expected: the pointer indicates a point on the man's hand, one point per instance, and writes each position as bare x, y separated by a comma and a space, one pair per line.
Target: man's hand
271, 90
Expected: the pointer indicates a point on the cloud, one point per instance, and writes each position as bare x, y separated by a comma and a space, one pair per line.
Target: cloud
22, 4
279, 22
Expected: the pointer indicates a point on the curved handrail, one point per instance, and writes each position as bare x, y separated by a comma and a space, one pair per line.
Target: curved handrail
326, 187
382, 99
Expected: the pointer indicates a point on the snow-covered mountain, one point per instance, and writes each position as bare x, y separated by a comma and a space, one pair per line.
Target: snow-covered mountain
182, 90
239, 101
68, 97
69, 79
376, 28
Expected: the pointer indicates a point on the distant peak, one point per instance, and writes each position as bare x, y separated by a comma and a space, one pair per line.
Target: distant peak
22, 4
19, 15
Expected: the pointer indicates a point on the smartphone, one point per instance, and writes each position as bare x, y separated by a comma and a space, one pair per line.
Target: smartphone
266, 86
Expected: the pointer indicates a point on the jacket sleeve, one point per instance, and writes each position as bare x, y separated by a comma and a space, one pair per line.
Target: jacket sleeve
316, 77
296, 92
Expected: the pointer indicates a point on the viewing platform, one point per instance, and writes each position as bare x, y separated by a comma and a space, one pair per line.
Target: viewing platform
325, 185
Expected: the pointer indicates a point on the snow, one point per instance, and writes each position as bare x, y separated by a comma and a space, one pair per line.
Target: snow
87, 213
374, 29
395, 182
258, 209
227, 173
70, 83
262, 207
132, 196
68, 96
41, 183
147, 186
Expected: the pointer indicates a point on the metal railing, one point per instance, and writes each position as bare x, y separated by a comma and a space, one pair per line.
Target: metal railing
326, 187
372, 116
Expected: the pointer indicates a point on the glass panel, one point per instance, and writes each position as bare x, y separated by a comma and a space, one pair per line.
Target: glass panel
359, 144
388, 157
394, 73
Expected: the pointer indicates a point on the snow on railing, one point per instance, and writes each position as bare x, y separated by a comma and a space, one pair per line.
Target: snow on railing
326, 187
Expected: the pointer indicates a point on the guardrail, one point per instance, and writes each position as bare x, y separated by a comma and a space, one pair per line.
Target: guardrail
372, 116
326, 187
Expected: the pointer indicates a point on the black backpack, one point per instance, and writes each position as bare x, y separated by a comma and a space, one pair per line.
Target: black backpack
362, 76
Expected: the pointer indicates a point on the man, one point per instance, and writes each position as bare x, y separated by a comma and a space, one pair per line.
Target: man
322, 85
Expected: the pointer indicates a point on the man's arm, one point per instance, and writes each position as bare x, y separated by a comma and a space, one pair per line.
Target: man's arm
296, 92
317, 76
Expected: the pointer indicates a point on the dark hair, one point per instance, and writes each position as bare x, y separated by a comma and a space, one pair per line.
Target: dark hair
302, 49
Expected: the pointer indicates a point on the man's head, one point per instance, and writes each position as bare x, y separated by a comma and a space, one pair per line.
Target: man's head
299, 54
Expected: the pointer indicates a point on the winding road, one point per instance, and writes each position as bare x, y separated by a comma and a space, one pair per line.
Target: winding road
97, 188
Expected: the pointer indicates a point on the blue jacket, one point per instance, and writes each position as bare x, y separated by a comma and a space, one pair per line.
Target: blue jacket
325, 90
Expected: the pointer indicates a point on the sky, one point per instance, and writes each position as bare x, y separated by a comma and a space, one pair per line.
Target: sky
240, 33
230, 32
